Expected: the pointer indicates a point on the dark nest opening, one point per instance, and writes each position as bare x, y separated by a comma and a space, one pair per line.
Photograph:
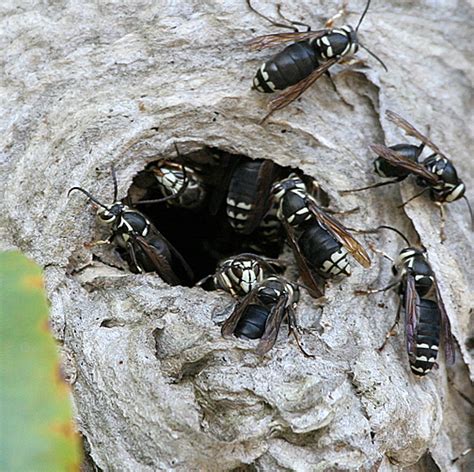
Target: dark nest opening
200, 228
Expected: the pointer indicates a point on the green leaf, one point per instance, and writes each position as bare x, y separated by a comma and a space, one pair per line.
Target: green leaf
36, 428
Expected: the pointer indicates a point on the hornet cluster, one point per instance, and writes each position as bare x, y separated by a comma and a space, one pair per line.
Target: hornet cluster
220, 221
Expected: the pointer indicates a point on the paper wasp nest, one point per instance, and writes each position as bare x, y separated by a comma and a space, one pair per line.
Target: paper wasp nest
155, 386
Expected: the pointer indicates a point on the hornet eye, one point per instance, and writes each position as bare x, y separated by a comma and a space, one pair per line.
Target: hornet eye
106, 216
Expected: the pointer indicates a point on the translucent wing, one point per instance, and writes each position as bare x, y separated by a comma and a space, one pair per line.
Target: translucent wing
402, 162
272, 327
313, 283
228, 327
159, 261
290, 94
412, 131
412, 313
222, 178
448, 335
183, 266
340, 233
262, 200
270, 40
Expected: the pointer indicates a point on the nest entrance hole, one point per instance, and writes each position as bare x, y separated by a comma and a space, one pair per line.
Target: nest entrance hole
203, 234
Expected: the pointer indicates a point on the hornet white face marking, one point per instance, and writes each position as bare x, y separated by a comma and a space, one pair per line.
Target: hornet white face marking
257, 85
302, 211
107, 217
405, 258
271, 85
346, 49
224, 281
457, 193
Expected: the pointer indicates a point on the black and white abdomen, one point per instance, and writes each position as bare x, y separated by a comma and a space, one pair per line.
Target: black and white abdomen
324, 254
426, 337
243, 195
268, 237
290, 66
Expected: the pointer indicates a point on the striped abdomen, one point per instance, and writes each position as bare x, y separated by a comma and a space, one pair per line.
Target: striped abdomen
248, 196
268, 237
323, 253
270, 231
426, 338
287, 68
253, 321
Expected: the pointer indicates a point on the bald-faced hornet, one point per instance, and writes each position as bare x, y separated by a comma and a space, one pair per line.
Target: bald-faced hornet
302, 63
181, 182
261, 312
436, 173
248, 198
239, 275
425, 314
319, 242
146, 249
269, 236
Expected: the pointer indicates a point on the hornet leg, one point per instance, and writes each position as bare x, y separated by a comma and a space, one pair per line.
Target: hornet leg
378, 184
442, 214
392, 331
131, 249
293, 329
378, 251
370, 291
296, 23
342, 12
413, 198
273, 22
100, 242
